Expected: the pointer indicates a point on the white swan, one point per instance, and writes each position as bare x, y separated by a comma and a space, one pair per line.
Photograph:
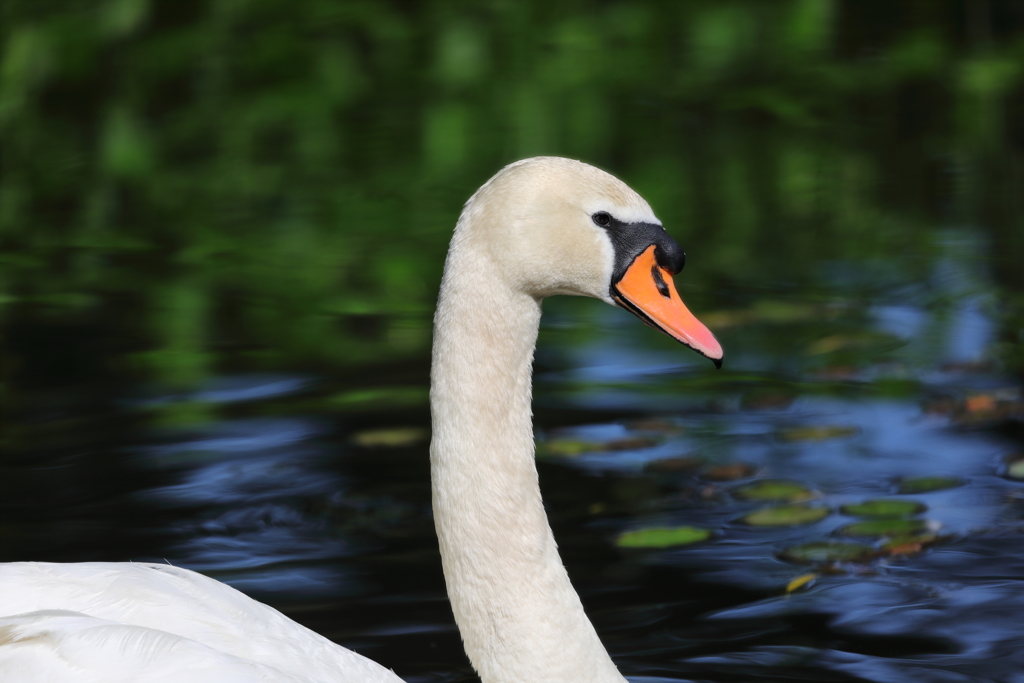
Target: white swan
539, 227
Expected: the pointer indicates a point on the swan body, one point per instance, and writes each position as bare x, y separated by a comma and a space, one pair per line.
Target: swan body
540, 227
114, 622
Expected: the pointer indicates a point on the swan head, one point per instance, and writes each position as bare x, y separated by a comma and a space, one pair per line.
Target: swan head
559, 226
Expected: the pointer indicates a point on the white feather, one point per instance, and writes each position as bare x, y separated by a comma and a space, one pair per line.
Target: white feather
151, 622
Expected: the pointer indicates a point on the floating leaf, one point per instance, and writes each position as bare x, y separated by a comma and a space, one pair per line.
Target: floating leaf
885, 527
980, 409
567, 448
572, 447
980, 403
827, 551
393, 437
884, 508
662, 537
909, 545
685, 463
775, 489
928, 484
800, 581
786, 515
817, 433
730, 472
1015, 466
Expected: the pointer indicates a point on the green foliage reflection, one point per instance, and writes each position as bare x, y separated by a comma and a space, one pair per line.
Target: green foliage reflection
282, 176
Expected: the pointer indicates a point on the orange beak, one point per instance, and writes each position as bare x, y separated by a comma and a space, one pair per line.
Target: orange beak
647, 290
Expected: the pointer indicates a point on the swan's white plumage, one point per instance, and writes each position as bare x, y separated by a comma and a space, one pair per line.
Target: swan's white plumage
141, 623
526, 234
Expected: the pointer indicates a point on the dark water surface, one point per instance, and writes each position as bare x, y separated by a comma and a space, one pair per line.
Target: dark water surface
312, 493
222, 226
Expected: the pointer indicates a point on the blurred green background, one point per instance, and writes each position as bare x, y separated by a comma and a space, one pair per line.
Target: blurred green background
227, 185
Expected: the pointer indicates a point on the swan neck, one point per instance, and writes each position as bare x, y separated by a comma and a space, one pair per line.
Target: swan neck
518, 614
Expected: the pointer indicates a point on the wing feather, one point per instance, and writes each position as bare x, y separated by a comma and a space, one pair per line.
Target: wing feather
151, 623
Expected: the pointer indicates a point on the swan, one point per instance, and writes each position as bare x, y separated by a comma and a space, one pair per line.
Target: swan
539, 227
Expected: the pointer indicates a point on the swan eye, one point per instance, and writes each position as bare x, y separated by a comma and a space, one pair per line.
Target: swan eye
602, 218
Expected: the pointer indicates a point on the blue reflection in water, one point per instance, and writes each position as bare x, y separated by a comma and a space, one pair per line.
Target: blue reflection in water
246, 480
253, 387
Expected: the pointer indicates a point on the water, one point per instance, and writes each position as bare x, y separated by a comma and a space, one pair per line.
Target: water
222, 226
319, 505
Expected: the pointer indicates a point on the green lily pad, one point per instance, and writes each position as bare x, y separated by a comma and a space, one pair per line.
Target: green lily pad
570, 448
786, 515
928, 484
884, 508
392, 437
827, 551
775, 489
662, 537
567, 448
889, 528
1015, 469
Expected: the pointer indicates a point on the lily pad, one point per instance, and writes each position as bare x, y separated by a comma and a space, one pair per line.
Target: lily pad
570, 448
909, 545
884, 508
889, 528
567, 448
683, 463
980, 403
662, 537
785, 515
827, 551
730, 472
775, 489
1015, 466
393, 437
928, 484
